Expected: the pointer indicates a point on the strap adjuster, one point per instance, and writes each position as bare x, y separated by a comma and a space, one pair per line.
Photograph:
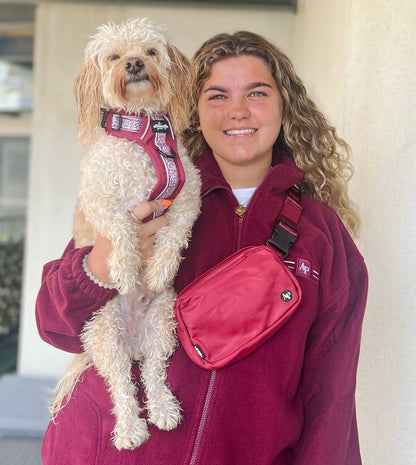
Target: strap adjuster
116, 126
104, 114
284, 235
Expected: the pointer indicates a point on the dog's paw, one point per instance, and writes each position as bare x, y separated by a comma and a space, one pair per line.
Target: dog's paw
132, 436
123, 275
124, 286
166, 416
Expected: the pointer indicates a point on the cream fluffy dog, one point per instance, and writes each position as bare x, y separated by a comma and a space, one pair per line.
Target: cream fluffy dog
132, 68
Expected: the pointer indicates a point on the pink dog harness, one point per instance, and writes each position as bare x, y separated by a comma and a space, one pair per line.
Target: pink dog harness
159, 143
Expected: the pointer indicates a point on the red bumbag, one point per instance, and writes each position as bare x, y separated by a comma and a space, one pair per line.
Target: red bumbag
230, 310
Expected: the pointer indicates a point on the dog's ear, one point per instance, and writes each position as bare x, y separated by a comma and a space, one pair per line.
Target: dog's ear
180, 73
88, 97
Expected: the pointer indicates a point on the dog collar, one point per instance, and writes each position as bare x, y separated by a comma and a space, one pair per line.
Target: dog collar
156, 136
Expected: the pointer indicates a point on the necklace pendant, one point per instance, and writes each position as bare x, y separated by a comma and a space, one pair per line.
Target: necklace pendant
240, 210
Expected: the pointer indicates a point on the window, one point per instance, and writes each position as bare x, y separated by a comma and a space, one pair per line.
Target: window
14, 161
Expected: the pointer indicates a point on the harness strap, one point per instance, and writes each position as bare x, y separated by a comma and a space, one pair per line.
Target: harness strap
285, 231
156, 136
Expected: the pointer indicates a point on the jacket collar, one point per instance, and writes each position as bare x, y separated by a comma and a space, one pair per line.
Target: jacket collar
283, 175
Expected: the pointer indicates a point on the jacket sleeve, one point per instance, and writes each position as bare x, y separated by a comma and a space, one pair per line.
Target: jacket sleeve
328, 380
66, 299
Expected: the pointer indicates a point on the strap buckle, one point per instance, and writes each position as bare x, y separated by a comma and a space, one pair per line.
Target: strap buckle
284, 235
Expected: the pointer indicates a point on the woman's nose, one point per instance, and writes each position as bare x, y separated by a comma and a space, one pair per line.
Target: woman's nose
239, 110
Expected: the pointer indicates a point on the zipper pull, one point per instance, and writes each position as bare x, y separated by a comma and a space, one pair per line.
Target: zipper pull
240, 210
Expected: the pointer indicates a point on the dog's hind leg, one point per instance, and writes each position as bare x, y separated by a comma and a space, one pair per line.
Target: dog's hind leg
160, 342
105, 338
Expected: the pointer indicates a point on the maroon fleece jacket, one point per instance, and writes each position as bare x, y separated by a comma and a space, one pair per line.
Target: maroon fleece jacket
290, 402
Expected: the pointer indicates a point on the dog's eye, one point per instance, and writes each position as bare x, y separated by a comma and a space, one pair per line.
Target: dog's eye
114, 57
151, 52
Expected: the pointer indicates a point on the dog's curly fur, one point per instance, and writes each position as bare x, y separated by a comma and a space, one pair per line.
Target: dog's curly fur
116, 175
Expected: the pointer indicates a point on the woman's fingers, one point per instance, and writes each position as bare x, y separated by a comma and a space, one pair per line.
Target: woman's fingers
146, 232
144, 209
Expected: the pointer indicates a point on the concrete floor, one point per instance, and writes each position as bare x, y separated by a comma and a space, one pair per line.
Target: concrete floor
20, 451
24, 418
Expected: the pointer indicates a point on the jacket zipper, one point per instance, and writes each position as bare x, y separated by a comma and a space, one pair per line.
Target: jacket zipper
210, 389
203, 419
240, 229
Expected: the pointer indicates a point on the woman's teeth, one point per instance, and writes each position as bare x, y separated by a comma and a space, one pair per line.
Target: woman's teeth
239, 132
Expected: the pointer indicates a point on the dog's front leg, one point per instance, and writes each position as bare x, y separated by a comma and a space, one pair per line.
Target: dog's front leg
158, 344
105, 338
161, 268
107, 189
125, 260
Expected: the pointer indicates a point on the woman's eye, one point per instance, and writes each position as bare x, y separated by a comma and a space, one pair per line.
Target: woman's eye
114, 57
217, 97
257, 93
151, 52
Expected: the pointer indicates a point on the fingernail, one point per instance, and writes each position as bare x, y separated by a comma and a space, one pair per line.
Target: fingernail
166, 203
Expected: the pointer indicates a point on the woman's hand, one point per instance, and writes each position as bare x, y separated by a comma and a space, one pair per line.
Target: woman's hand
146, 233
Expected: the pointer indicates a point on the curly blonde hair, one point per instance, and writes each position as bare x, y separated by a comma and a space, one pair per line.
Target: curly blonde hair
306, 135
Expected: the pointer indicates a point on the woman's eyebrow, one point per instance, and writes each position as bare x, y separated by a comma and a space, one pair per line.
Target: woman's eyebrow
216, 89
251, 86
254, 85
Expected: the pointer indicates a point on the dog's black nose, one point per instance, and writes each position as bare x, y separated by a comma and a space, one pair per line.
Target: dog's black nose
134, 66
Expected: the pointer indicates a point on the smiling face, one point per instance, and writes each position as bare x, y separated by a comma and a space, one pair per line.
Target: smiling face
240, 112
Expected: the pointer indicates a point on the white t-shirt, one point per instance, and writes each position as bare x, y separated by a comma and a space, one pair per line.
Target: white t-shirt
244, 195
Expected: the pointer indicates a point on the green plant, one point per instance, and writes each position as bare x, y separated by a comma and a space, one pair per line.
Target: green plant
11, 264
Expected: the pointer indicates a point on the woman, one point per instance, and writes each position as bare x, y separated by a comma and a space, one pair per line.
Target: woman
254, 133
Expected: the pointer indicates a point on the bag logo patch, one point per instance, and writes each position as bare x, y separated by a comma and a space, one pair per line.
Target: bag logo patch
286, 296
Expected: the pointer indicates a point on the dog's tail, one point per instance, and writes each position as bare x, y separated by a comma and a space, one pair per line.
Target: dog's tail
68, 381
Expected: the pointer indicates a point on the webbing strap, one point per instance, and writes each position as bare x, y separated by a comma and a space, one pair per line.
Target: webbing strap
157, 138
285, 231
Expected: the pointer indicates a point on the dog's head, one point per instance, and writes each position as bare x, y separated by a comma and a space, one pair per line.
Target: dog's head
132, 67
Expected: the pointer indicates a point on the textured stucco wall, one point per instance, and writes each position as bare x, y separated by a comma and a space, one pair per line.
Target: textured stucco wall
359, 58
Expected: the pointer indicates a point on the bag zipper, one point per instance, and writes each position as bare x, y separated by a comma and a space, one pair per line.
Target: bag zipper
203, 419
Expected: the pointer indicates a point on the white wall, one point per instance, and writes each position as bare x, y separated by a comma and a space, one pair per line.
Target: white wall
62, 31
359, 57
